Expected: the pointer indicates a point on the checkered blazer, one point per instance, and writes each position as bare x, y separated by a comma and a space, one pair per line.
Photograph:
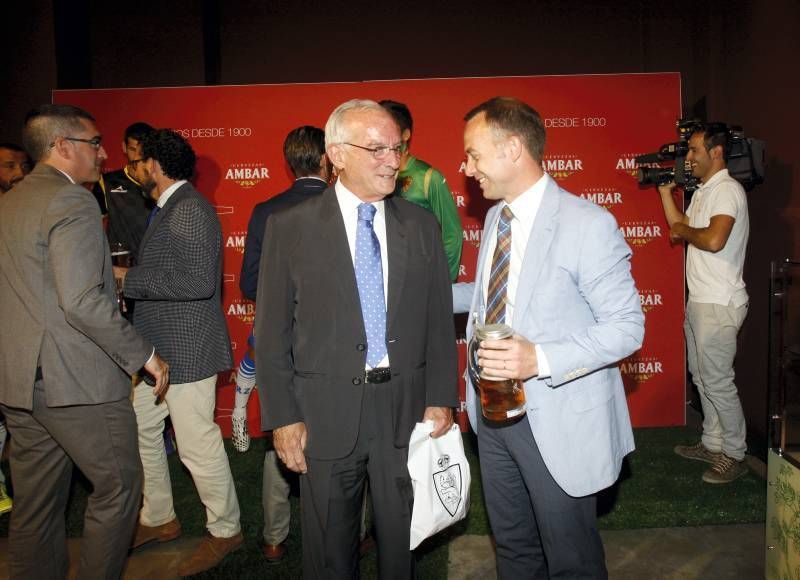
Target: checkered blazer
177, 288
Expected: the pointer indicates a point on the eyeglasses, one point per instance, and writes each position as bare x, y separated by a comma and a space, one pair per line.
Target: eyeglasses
94, 141
383, 152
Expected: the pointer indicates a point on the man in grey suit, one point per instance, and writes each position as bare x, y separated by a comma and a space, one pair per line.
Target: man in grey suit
345, 369
66, 354
177, 288
571, 300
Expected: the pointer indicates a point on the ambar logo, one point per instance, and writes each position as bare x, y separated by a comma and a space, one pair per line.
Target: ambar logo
640, 233
473, 233
626, 164
641, 369
247, 175
243, 310
603, 196
235, 241
650, 299
562, 166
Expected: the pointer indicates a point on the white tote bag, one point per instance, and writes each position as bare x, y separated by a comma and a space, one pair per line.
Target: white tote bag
440, 478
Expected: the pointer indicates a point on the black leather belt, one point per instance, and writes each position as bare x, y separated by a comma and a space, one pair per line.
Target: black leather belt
379, 375
38, 373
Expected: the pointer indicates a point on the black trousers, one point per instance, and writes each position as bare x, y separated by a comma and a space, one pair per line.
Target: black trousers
540, 531
332, 492
101, 440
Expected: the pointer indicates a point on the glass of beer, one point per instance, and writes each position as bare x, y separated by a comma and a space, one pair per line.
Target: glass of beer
501, 399
121, 257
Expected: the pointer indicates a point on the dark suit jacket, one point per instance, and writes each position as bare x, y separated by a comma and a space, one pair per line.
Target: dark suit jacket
57, 298
311, 347
302, 189
177, 288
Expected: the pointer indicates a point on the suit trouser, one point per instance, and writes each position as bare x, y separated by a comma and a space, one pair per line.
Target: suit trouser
711, 331
331, 495
275, 500
191, 409
47, 441
540, 531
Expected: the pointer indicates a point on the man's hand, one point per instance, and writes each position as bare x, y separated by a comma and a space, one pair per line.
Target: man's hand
442, 418
509, 358
290, 444
667, 188
159, 369
119, 275
676, 233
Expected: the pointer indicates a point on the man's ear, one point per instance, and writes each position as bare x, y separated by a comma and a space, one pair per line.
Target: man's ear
513, 147
336, 156
716, 152
406, 136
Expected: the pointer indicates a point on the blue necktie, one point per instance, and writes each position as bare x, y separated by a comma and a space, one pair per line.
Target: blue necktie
498, 275
369, 277
152, 215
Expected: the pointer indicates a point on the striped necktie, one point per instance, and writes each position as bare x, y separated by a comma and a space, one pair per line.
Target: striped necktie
498, 277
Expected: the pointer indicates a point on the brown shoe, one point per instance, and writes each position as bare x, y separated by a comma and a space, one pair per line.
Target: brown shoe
162, 533
274, 553
209, 553
698, 452
725, 470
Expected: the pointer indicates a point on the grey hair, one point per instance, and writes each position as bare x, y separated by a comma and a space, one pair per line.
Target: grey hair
44, 124
335, 129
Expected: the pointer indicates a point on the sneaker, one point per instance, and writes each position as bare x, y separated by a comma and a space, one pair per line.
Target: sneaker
6, 502
698, 452
725, 470
239, 435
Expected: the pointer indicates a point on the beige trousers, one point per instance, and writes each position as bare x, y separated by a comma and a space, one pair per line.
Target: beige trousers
191, 409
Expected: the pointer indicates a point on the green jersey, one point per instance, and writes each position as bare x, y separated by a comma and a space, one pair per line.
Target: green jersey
423, 185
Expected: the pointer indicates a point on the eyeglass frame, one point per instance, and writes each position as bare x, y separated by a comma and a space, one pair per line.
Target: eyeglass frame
95, 142
382, 152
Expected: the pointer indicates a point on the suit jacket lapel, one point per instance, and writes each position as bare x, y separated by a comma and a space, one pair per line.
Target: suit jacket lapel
541, 236
397, 257
338, 251
179, 193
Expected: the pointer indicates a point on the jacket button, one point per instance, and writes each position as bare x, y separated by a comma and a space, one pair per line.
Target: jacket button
361, 347
356, 381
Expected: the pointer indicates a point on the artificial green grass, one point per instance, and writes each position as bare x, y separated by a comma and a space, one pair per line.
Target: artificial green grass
657, 489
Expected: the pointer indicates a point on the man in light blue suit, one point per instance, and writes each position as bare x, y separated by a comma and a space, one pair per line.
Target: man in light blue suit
571, 300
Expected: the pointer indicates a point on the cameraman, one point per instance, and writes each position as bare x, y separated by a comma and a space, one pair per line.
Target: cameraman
715, 227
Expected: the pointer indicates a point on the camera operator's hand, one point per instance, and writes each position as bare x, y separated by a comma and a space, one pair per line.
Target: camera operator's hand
667, 188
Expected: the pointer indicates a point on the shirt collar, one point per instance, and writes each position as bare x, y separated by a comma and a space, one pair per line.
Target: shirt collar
349, 201
717, 177
525, 205
162, 200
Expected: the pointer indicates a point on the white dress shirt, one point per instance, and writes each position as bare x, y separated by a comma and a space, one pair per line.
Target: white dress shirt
348, 204
524, 207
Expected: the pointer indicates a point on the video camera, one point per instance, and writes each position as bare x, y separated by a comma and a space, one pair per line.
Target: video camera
744, 157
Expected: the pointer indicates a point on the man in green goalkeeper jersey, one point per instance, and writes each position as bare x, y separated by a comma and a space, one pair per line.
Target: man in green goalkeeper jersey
423, 185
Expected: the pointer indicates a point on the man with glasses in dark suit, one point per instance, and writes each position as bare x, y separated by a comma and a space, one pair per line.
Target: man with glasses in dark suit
355, 345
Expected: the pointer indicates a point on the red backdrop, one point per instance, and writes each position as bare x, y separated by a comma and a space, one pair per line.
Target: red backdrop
596, 125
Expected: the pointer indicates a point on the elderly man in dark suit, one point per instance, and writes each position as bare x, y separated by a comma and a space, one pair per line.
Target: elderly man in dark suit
345, 367
66, 354
177, 288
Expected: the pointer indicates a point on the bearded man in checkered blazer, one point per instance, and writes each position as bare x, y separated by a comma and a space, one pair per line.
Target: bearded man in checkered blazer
177, 289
